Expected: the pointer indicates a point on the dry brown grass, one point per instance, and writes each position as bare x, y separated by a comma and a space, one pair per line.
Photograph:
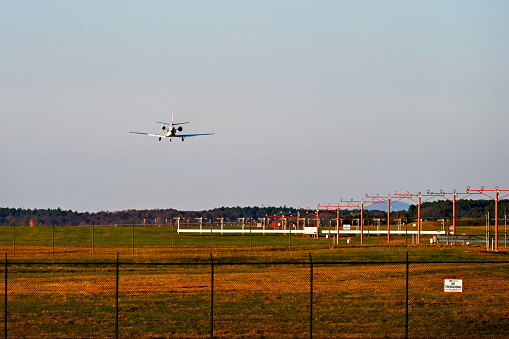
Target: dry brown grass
251, 301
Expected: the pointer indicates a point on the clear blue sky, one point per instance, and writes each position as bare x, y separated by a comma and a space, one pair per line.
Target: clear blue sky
310, 101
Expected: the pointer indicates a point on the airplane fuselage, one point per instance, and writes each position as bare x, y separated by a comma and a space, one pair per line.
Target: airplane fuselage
171, 131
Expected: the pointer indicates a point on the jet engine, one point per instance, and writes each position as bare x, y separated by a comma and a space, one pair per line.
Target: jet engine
164, 128
180, 129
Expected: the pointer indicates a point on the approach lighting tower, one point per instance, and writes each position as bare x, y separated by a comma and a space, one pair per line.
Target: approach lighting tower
378, 199
496, 197
454, 198
401, 196
330, 207
348, 204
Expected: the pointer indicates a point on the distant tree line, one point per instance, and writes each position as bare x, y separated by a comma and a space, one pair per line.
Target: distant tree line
58, 217
466, 208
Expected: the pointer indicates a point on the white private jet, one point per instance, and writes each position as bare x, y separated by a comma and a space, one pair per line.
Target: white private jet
171, 130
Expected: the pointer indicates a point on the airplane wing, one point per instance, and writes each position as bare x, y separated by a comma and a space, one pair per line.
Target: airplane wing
151, 135
191, 135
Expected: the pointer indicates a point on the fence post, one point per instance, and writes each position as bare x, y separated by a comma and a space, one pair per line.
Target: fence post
53, 239
116, 299
211, 297
133, 235
5, 296
311, 298
211, 238
406, 299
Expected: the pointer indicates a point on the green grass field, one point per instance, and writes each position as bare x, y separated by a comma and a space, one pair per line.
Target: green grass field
82, 240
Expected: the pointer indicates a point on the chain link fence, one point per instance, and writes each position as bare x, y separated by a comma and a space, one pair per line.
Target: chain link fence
303, 299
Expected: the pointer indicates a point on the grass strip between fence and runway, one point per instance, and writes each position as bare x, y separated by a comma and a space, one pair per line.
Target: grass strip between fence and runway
110, 239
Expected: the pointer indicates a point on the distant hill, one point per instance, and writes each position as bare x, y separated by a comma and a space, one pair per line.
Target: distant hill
382, 206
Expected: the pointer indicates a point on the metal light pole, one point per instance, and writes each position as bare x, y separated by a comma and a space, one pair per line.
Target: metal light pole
388, 218
419, 221
487, 231
317, 222
496, 220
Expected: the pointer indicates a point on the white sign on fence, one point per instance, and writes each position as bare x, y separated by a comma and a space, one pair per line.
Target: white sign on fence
453, 285
346, 226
